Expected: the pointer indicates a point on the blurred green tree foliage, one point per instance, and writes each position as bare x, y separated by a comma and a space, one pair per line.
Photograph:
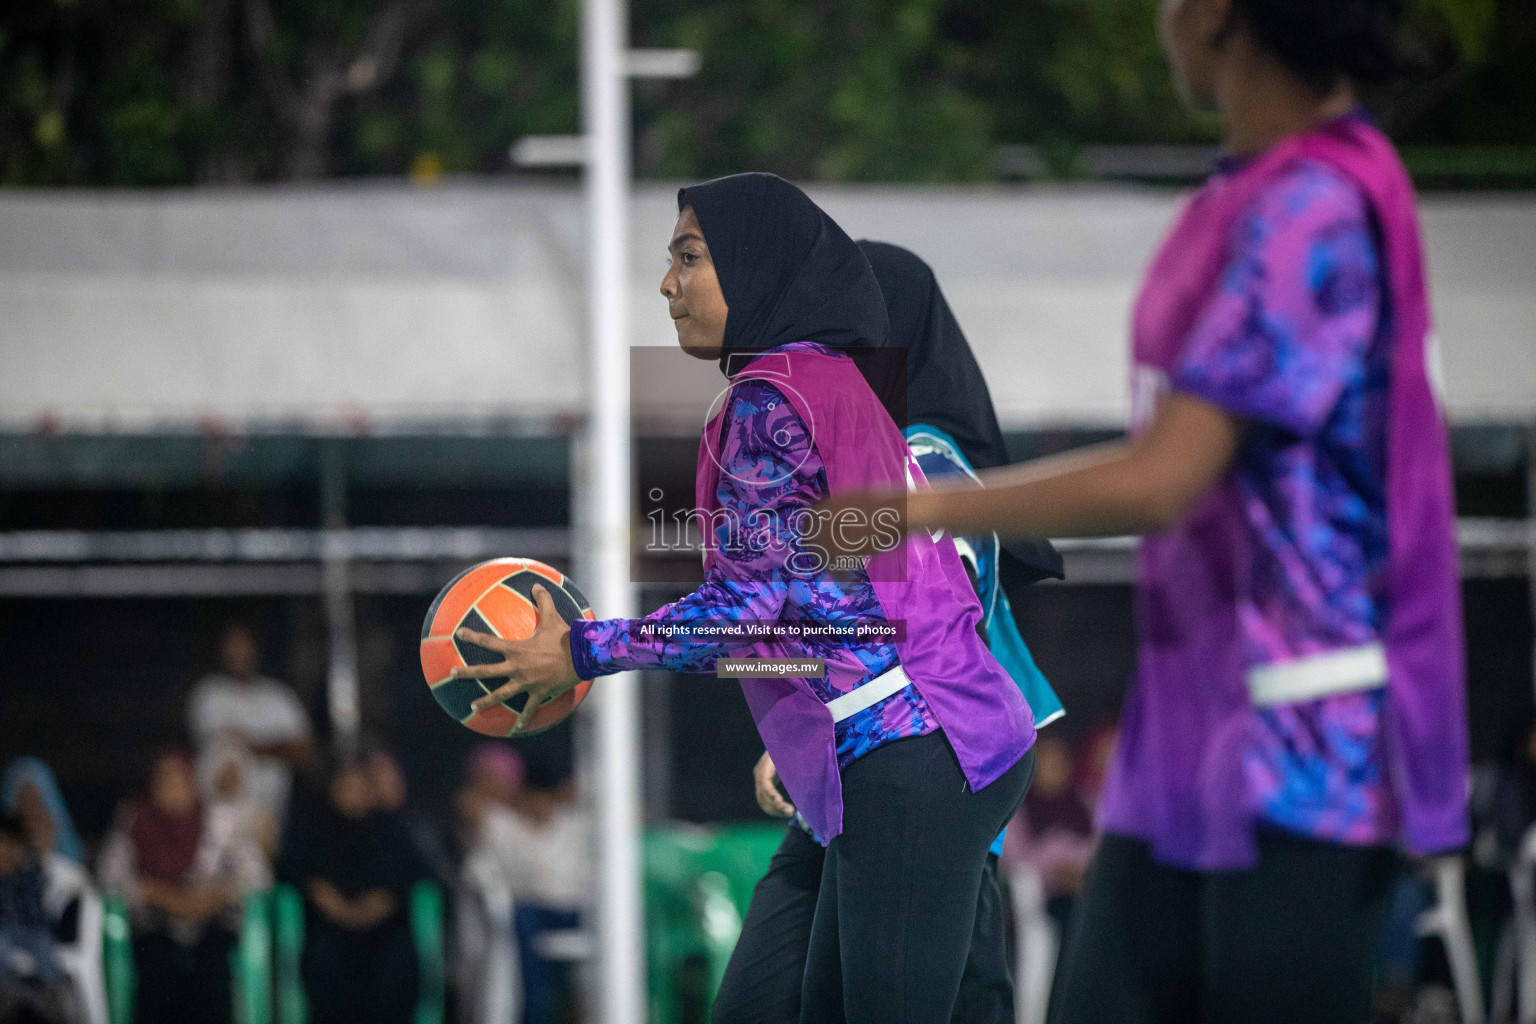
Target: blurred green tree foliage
159, 92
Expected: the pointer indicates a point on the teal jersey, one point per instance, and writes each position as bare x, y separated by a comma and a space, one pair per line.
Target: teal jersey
939, 457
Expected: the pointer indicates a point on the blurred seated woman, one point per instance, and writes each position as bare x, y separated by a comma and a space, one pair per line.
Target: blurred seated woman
1053, 832
525, 829
355, 866
1052, 837
184, 881
32, 982
394, 800
31, 793
544, 848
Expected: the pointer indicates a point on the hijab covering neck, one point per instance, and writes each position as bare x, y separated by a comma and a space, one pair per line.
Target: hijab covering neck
945, 387
355, 854
31, 770
787, 271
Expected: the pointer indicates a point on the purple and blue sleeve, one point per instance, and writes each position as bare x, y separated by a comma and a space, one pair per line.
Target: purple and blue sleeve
1296, 309
770, 476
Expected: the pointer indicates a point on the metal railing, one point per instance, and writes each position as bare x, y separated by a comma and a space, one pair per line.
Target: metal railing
412, 560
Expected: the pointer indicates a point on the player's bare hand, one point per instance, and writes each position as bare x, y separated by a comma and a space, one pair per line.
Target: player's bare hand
770, 797
539, 666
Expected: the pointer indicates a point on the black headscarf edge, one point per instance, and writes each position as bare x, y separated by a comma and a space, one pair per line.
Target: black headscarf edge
787, 270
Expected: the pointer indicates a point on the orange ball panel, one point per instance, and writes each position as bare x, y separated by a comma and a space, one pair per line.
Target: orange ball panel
467, 591
543, 570
508, 613
557, 710
438, 658
499, 719
493, 721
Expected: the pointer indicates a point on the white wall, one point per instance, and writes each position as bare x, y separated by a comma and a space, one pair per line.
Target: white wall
335, 306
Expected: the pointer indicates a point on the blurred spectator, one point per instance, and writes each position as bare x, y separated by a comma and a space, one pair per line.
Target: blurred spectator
1399, 955
237, 823
1094, 755
537, 841
1514, 795
261, 712
1052, 838
184, 881
494, 780
395, 801
355, 866
32, 982
1053, 832
32, 794
489, 972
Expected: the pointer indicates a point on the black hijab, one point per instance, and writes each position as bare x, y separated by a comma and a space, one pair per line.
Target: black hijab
945, 386
787, 271
374, 851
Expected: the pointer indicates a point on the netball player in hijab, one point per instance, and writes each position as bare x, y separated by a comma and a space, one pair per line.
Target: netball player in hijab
953, 429
909, 754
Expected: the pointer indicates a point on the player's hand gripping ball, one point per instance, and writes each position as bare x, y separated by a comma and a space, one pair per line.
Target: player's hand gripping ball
493, 647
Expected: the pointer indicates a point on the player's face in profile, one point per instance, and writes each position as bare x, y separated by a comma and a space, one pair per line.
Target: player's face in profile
694, 299
1191, 32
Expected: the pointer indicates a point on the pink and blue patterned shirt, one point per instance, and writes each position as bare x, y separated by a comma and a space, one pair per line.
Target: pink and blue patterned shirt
1295, 344
771, 468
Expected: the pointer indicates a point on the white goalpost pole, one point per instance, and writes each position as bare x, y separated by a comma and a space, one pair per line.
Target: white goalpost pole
606, 113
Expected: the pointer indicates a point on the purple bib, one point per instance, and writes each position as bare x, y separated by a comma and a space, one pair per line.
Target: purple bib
1178, 779
922, 582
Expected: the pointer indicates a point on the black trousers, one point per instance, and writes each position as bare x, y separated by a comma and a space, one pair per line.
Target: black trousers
891, 935
763, 979
1292, 940
359, 977
183, 984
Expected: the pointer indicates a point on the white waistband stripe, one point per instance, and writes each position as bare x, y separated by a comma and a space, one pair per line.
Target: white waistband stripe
871, 693
1348, 670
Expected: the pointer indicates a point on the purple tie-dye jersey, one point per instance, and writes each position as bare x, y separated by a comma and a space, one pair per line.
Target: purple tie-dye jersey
770, 465
1295, 343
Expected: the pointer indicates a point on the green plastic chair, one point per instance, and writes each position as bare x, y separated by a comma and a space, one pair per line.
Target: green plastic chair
672, 937
741, 854
287, 948
251, 961
698, 884
720, 922
117, 958
731, 869
427, 915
